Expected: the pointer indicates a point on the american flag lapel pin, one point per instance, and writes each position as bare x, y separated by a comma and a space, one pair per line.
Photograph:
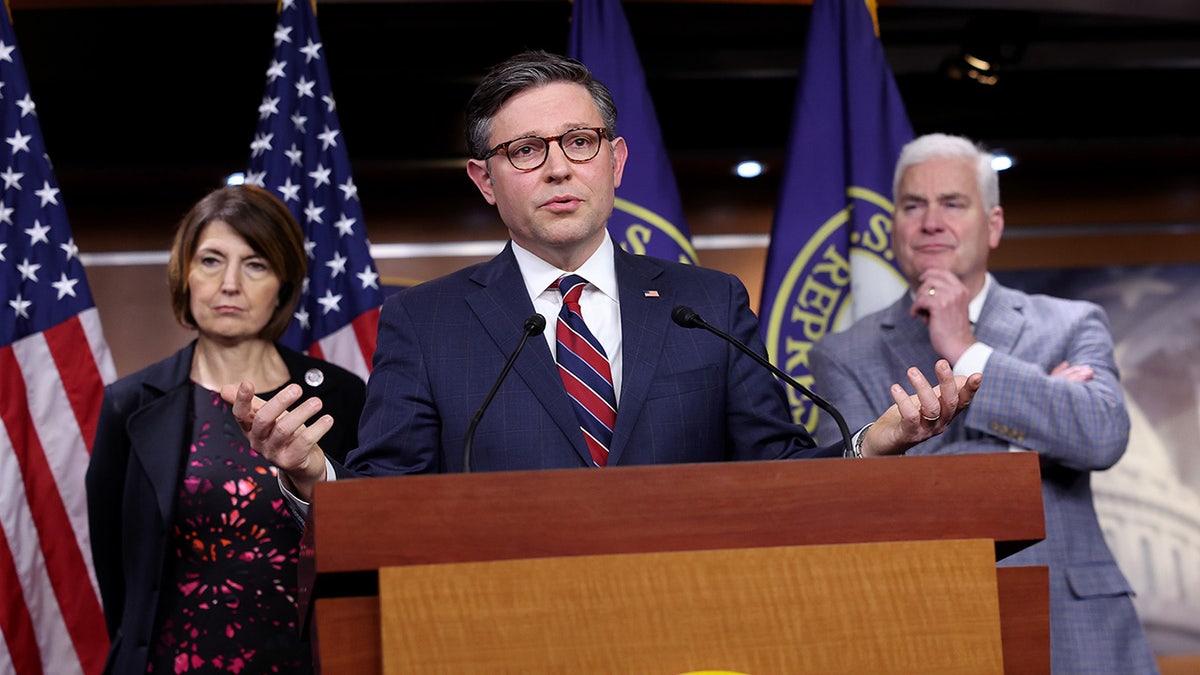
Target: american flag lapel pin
650, 294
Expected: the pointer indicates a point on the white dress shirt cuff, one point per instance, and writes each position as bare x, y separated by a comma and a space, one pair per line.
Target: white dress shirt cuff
973, 360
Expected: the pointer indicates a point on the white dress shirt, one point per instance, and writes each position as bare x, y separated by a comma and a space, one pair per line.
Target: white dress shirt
599, 304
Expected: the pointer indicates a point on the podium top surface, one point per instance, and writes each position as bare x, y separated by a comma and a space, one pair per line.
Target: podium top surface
367, 523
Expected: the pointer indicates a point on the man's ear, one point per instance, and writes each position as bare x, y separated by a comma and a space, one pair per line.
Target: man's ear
620, 154
477, 169
995, 225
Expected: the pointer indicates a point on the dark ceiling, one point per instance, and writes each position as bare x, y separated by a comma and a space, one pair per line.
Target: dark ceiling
143, 102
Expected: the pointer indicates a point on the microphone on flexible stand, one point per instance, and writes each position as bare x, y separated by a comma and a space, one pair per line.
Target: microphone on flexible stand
534, 325
688, 318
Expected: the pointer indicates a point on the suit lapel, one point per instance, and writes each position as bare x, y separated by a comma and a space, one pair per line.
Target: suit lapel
502, 304
645, 315
907, 339
1002, 319
158, 429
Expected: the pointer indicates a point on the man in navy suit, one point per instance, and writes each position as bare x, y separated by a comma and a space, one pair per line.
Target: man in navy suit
542, 135
1051, 386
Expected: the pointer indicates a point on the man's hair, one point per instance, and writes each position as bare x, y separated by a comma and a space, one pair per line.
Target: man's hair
268, 228
931, 146
529, 70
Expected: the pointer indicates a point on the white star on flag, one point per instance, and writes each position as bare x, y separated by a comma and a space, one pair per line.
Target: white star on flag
275, 70
65, 286
20, 305
289, 191
39, 233
345, 226
320, 176
313, 212
330, 302
337, 264
295, 155
28, 270
19, 142
261, 144
12, 179
270, 106
369, 278
27, 105
49, 195
311, 51
304, 88
328, 138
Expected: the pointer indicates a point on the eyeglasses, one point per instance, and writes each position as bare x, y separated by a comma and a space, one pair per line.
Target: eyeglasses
529, 152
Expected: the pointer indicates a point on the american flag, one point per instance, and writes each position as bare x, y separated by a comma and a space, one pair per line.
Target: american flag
53, 367
298, 153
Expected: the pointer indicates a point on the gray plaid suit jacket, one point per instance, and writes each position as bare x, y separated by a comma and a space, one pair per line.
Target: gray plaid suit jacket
1074, 428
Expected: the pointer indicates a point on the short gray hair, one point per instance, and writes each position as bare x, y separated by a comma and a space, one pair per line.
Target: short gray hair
931, 146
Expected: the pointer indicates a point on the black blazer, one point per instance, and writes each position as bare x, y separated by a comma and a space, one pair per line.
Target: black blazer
142, 436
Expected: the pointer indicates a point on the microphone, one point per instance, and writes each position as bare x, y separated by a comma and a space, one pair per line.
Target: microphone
534, 325
688, 318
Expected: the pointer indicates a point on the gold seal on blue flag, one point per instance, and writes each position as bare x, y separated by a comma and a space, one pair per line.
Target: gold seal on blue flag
641, 231
815, 292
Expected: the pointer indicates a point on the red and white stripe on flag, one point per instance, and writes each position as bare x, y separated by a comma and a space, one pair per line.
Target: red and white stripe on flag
51, 385
352, 346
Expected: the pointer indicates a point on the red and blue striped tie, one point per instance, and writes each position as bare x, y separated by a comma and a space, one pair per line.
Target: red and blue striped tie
584, 368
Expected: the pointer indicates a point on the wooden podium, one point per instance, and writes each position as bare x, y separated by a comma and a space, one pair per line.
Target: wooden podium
764, 568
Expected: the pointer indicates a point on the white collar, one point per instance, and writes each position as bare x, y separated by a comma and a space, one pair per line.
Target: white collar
976, 307
599, 269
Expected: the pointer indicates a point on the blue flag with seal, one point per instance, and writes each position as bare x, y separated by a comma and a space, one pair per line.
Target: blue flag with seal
648, 215
830, 259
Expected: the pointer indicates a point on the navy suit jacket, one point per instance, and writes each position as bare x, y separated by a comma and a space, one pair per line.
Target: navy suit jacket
686, 395
1074, 428
142, 436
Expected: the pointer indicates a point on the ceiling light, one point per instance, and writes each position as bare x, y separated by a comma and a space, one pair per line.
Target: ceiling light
748, 169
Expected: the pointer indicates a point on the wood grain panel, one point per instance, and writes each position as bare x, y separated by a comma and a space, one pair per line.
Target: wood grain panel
900, 607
